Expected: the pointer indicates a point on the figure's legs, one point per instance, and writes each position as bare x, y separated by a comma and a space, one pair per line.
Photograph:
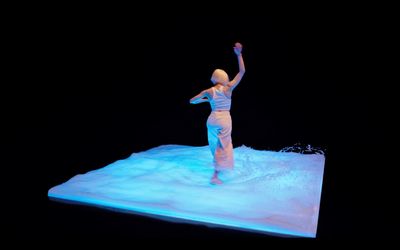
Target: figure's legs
219, 125
215, 179
224, 149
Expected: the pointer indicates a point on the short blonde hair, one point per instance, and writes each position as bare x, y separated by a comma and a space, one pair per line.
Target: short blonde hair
219, 76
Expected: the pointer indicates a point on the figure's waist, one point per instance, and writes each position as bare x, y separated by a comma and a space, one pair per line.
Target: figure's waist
219, 110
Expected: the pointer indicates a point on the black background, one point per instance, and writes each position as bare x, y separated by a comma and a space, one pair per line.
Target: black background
96, 87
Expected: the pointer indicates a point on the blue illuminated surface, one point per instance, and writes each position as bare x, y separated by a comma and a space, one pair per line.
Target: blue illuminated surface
268, 192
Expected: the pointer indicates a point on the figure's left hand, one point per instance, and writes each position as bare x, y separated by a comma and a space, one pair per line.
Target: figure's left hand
238, 48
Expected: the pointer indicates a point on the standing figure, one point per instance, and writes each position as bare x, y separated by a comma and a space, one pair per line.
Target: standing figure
219, 122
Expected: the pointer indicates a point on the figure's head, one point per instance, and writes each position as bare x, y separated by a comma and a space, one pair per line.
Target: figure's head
220, 76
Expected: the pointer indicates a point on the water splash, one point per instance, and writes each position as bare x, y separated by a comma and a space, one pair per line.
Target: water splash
303, 149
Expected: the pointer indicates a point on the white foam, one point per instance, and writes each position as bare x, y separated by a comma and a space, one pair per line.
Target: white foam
270, 192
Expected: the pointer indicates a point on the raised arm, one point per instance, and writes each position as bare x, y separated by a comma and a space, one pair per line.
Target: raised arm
238, 51
202, 97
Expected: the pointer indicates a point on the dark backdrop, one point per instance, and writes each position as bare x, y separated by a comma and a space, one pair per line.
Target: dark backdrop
97, 89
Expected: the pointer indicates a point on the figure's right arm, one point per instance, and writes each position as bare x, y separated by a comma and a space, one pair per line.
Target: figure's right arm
202, 97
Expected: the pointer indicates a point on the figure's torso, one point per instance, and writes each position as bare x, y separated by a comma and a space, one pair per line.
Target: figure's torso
220, 98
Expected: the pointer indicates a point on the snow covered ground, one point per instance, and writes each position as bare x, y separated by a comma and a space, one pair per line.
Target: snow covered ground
268, 192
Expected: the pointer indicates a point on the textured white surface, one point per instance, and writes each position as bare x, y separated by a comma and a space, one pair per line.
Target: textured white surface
270, 192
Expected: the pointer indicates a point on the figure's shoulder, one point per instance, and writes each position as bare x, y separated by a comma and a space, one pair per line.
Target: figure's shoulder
210, 90
228, 91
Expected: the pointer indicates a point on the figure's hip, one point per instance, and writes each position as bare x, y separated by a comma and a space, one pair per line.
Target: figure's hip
219, 119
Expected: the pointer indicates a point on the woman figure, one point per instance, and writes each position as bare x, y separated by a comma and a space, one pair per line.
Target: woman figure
219, 122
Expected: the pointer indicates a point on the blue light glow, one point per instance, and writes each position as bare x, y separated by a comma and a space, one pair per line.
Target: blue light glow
268, 192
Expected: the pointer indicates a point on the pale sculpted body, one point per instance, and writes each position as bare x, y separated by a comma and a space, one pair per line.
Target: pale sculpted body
219, 122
